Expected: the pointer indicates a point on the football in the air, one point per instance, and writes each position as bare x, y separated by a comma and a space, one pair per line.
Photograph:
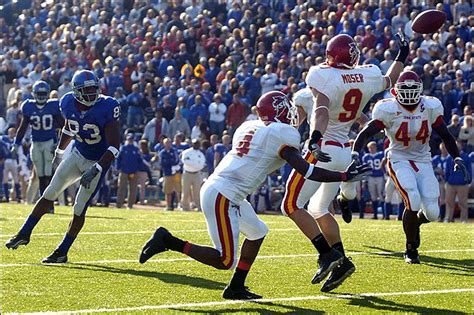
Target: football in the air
428, 22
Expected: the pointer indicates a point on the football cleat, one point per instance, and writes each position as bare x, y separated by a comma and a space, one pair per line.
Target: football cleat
56, 257
17, 240
154, 245
343, 205
411, 256
327, 262
239, 294
338, 275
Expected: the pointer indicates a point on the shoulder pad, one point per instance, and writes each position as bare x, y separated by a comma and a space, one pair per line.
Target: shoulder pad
431, 102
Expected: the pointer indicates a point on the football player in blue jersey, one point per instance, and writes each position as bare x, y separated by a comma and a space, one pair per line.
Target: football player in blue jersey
92, 120
44, 117
375, 181
10, 167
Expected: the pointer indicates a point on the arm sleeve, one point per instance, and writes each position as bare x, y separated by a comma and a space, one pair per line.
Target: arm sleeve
380, 116
113, 112
376, 79
437, 110
287, 137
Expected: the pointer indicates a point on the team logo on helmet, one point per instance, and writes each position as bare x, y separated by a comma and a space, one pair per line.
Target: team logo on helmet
280, 103
353, 52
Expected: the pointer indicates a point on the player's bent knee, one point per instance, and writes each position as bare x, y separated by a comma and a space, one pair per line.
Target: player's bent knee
414, 200
318, 213
350, 194
260, 231
431, 210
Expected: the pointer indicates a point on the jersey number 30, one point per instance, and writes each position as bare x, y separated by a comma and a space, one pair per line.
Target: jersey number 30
44, 122
351, 105
94, 136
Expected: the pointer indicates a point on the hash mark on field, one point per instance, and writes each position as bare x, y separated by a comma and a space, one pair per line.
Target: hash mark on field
269, 300
126, 261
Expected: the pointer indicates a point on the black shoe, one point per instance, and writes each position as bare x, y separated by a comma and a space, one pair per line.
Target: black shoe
56, 257
17, 240
327, 262
411, 256
51, 210
154, 245
343, 205
338, 275
239, 294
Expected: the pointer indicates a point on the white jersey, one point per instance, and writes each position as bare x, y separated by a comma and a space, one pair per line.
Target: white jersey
348, 91
255, 154
304, 98
409, 132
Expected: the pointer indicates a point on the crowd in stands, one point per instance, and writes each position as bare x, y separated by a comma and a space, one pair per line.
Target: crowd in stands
191, 70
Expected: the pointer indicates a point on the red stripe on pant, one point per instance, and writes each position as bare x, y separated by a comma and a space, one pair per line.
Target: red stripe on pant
225, 230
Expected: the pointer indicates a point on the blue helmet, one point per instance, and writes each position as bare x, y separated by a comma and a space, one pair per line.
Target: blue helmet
85, 86
40, 92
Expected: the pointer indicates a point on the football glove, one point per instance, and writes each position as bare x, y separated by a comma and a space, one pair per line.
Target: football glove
315, 149
356, 172
459, 166
89, 176
355, 157
403, 46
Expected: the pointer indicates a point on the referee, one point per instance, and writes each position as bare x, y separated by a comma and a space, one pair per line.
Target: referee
193, 162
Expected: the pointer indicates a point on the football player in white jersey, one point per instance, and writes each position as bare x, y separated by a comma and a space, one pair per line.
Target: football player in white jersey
341, 89
408, 120
260, 147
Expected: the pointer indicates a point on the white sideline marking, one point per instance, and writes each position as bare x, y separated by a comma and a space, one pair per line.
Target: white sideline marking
163, 260
177, 231
283, 299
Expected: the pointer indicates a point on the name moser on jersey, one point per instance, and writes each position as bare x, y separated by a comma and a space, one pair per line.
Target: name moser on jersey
408, 120
44, 117
92, 121
261, 147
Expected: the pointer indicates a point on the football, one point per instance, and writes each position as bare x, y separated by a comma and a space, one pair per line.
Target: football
429, 21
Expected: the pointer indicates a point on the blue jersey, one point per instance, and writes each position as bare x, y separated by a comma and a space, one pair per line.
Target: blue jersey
8, 144
41, 119
89, 127
439, 163
375, 161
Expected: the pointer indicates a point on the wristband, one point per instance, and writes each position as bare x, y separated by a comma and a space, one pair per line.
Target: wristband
97, 166
114, 151
343, 176
309, 171
58, 151
67, 132
458, 159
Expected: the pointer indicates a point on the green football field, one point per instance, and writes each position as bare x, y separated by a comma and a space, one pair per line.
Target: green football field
103, 273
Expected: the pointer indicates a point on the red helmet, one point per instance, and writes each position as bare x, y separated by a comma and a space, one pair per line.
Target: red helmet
408, 88
274, 106
342, 52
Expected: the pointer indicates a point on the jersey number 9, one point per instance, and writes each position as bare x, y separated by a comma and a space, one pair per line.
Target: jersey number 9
351, 104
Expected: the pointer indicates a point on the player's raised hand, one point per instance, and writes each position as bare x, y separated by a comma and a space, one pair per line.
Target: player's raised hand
356, 172
89, 176
403, 46
459, 166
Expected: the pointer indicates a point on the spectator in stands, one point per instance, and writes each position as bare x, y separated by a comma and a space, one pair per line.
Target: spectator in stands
156, 128
179, 125
135, 107
144, 170
439, 165
197, 109
221, 149
236, 114
457, 186
169, 163
217, 111
268, 80
128, 163
454, 128
193, 161
466, 134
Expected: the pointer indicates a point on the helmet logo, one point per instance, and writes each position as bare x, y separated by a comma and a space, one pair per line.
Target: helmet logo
279, 104
353, 52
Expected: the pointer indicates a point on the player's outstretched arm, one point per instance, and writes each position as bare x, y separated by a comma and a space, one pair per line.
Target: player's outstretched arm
399, 63
372, 128
25, 120
112, 135
309, 171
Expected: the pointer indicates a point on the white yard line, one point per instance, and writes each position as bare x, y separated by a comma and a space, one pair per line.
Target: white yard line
179, 231
164, 260
269, 300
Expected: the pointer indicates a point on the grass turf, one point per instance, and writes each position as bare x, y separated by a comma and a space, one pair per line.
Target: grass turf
104, 273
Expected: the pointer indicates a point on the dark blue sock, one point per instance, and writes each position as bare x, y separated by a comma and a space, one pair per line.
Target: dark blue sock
387, 209
401, 208
29, 225
66, 243
6, 191
375, 205
442, 212
17, 191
